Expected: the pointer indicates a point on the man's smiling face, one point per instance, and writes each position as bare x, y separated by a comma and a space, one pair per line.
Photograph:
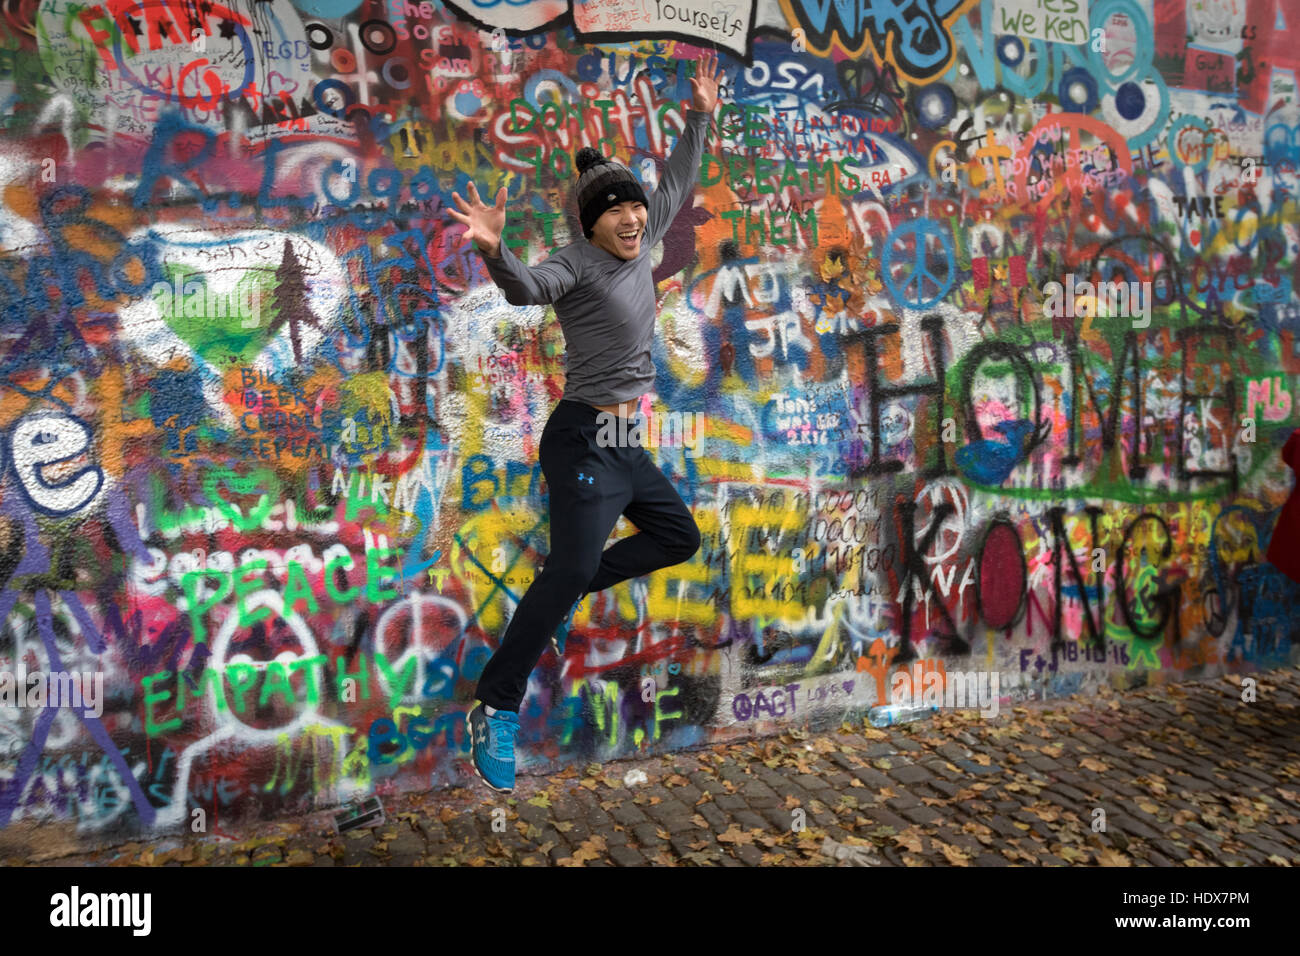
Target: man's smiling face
620, 228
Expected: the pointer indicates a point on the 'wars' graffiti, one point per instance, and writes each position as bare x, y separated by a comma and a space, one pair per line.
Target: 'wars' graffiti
912, 35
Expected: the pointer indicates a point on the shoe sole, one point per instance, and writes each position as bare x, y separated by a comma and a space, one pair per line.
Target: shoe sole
469, 730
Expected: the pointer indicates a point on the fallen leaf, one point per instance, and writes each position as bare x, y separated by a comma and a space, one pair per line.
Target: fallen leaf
733, 834
1109, 857
541, 800
955, 855
910, 839
1092, 763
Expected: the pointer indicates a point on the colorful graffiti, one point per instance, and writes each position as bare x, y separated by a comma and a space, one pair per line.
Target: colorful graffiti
268, 433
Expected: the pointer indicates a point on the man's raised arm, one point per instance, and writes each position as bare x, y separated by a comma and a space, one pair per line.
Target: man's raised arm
679, 177
530, 285
522, 285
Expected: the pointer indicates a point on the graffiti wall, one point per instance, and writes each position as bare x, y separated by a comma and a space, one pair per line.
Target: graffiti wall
986, 310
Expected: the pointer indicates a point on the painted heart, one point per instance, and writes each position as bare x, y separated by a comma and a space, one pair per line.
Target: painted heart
255, 298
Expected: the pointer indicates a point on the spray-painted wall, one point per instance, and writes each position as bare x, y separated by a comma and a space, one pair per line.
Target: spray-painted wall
269, 440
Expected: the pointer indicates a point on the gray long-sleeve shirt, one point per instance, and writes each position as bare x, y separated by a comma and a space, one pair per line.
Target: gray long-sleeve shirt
606, 305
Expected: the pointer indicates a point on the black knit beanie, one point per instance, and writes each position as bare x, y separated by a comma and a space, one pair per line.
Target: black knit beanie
603, 183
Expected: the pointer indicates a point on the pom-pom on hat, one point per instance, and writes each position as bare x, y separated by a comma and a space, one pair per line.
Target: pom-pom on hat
603, 183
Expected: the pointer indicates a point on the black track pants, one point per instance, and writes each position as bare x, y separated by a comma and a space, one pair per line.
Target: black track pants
589, 488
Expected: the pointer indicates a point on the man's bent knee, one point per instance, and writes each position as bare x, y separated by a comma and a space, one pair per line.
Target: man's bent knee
689, 544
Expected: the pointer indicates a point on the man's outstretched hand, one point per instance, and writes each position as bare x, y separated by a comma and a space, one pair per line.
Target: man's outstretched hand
485, 222
704, 83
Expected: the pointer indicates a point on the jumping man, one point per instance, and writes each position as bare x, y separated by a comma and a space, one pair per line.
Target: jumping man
604, 297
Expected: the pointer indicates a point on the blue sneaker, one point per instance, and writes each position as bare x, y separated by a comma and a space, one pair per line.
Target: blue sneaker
492, 746
562, 632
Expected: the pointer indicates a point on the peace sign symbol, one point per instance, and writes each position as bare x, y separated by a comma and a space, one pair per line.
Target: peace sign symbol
907, 264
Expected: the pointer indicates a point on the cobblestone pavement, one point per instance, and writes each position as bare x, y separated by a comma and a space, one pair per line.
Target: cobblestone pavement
1185, 774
